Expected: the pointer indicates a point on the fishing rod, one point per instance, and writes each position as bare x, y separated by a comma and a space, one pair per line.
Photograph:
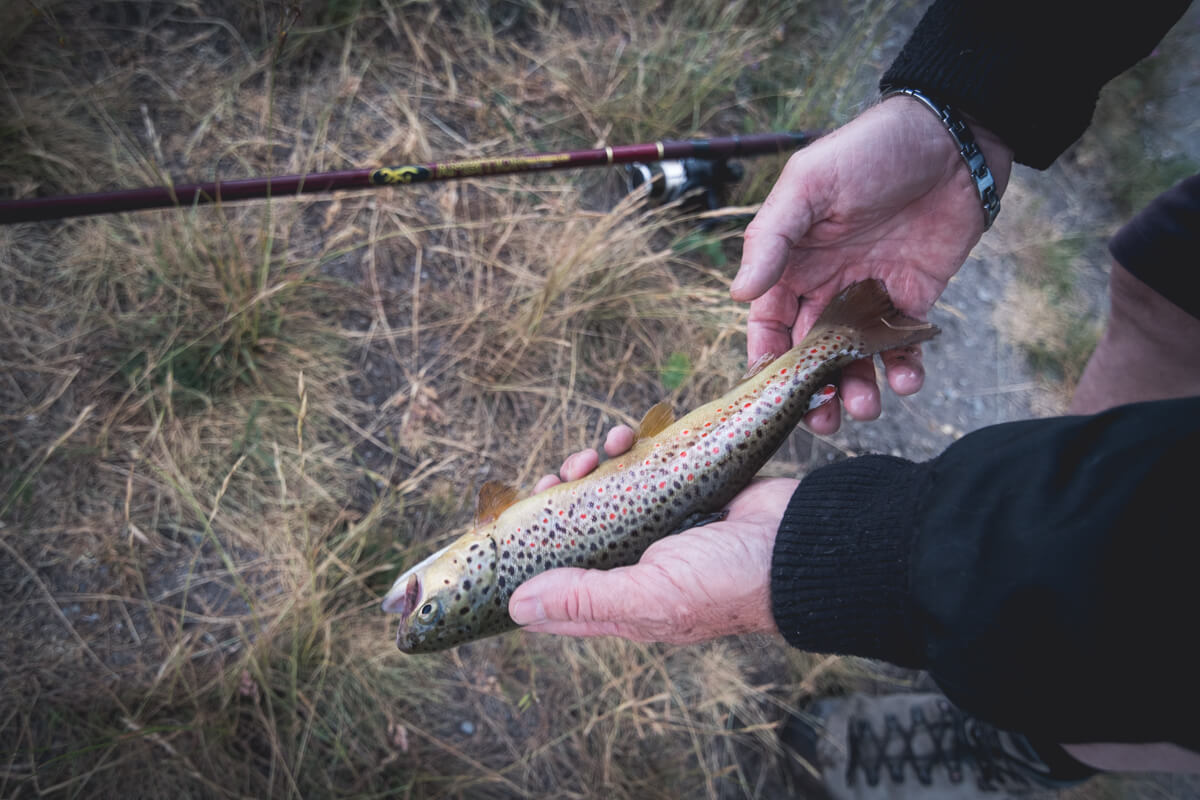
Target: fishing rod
673, 182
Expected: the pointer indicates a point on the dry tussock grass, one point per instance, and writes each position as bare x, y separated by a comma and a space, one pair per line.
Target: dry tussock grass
225, 429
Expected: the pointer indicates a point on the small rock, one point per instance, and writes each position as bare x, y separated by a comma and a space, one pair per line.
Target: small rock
467, 727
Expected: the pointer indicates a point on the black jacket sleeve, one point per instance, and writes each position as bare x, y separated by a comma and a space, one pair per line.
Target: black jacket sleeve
1029, 70
1043, 572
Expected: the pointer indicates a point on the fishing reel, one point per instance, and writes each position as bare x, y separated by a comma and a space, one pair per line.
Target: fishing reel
697, 182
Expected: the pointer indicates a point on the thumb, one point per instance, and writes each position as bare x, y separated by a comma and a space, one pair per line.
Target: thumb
784, 219
591, 601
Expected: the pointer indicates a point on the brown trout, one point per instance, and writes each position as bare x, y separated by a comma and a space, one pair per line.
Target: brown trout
677, 474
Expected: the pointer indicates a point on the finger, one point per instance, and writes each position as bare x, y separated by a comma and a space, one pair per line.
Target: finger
573, 595
859, 392
619, 439
579, 464
769, 326
582, 629
905, 369
545, 482
826, 419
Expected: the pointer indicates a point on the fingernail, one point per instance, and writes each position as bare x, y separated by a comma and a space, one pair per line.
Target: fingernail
528, 611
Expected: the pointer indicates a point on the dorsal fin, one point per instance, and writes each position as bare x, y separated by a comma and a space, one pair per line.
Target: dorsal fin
494, 497
657, 419
757, 367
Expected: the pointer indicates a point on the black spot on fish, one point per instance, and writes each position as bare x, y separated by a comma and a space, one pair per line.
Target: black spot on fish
466, 584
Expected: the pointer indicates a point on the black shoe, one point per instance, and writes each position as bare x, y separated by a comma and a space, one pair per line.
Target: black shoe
918, 746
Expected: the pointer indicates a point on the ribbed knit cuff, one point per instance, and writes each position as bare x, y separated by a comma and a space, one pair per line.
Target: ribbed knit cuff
967, 58
839, 573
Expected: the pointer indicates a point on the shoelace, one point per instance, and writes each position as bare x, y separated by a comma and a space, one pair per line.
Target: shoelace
951, 739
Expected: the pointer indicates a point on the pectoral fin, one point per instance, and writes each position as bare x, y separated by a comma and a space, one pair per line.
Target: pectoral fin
494, 497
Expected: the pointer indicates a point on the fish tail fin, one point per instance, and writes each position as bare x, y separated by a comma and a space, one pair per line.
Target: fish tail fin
866, 308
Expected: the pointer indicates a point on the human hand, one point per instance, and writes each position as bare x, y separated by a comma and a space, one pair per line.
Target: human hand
886, 196
695, 585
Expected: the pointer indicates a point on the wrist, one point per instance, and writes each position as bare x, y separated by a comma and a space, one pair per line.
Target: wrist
971, 151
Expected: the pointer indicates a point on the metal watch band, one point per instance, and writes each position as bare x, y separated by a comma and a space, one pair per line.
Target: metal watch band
985, 184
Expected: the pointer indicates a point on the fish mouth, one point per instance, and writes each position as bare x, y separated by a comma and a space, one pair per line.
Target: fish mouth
403, 597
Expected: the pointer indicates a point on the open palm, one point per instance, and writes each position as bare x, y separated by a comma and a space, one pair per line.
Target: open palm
887, 197
694, 585
699, 584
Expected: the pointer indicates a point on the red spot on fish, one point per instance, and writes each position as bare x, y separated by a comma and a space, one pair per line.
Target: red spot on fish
676, 469
813, 350
639, 509
583, 516
662, 485
545, 520
708, 424
783, 371
612, 516
708, 463
716, 450
629, 488
647, 462
690, 476
682, 453
600, 490
703, 435
559, 545
533, 544
572, 541
561, 513
838, 338
747, 405
778, 399
732, 435
620, 466
686, 431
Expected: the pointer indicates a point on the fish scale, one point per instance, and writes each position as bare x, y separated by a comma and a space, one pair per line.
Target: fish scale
668, 481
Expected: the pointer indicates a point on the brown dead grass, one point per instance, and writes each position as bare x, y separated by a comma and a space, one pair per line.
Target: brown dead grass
224, 430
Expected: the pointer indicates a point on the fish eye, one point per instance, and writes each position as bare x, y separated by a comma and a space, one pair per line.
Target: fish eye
428, 611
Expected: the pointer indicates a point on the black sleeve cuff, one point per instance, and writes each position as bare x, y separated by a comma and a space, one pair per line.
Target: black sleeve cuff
1030, 74
840, 569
